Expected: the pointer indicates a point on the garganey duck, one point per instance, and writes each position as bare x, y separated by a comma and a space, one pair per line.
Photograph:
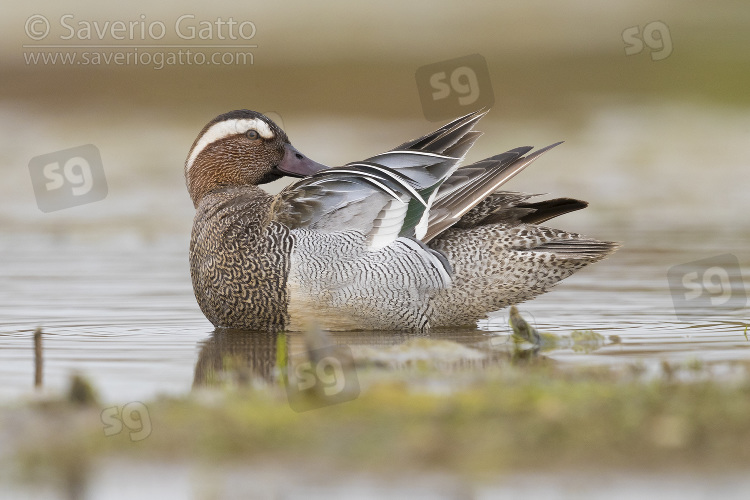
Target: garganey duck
405, 240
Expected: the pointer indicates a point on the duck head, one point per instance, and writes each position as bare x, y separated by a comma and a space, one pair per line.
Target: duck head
242, 148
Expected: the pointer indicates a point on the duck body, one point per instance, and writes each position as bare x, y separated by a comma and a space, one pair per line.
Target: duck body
405, 240
240, 260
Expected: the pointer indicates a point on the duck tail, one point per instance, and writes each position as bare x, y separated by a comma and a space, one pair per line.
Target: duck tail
498, 265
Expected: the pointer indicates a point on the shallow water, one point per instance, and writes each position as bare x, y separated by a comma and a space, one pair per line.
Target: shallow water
109, 285
109, 281
124, 315
112, 479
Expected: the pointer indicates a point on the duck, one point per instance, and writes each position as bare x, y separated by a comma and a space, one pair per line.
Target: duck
406, 240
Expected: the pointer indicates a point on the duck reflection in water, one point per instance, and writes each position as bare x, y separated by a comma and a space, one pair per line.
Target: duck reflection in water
236, 356
242, 357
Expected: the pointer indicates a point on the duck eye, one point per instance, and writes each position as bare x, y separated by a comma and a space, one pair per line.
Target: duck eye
252, 134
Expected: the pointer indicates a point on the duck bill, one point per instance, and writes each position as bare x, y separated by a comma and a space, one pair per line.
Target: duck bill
296, 164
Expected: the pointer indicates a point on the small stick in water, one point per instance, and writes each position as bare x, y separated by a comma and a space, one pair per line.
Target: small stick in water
38, 360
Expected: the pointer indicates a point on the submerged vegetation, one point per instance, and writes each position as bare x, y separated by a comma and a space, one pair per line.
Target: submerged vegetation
472, 417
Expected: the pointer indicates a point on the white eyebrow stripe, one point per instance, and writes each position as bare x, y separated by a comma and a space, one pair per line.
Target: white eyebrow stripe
227, 128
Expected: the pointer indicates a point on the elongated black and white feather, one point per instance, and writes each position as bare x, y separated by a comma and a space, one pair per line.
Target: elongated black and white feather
471, 184
388, 195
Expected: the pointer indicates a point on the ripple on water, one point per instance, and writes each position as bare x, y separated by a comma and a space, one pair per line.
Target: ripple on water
124, 314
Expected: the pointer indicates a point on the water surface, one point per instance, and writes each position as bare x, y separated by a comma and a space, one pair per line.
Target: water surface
123, 313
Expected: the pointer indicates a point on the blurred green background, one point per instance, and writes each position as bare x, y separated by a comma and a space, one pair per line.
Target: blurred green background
651, 143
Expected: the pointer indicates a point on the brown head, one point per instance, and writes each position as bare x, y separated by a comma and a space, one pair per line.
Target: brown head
242, 148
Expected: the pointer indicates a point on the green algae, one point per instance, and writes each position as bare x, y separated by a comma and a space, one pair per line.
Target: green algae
527, 339
505, 417
586, 340
424, 404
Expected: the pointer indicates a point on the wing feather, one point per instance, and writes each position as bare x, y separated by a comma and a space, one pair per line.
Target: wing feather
473, 183
416, 190
386, 196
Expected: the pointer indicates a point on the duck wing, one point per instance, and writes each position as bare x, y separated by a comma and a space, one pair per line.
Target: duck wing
386, 196
472, 184
508, 207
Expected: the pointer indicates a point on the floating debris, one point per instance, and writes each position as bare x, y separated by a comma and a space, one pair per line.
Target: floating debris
522, 331
528, 341
419, 352
586, 340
